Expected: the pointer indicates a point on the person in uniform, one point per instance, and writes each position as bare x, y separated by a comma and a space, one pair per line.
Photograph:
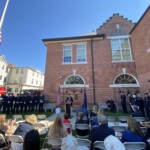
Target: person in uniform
41, 102
16, 105
123, 102
147, 104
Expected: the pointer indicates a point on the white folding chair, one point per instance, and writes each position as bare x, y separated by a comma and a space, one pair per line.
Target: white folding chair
52, 141
139, 119
83, 142
118, 128
18, 118
40, 126
123, 119
3, 141
43, 118
135, 145
67, 126
111, 119
99, 144
15, 139
82, 128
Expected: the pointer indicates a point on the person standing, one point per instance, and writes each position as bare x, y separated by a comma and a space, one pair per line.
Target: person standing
69, 102
41, 102
123, 102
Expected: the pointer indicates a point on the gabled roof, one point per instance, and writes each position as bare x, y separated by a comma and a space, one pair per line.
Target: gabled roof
140, 19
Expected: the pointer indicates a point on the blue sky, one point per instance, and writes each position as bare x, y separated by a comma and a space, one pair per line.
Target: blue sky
27, 22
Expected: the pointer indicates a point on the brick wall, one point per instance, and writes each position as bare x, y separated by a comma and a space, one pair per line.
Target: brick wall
140, 38
105, 71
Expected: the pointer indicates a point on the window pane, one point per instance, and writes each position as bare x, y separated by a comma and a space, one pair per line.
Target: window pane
116, 55
67, 54
126, 54
120, 49
115, 44
124, 43
81, 53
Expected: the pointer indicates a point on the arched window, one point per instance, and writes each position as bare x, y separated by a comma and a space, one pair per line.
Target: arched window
74, 79
125, 79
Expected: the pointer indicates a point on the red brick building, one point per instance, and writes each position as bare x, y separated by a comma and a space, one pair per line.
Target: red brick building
104, 62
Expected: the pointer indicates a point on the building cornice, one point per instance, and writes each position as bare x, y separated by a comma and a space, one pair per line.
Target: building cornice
73, 39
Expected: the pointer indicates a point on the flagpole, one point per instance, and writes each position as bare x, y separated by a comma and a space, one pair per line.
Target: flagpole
3, 14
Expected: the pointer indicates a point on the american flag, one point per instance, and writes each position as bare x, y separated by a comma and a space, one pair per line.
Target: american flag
0, 37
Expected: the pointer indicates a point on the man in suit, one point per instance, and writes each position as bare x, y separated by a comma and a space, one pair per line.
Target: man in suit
123, 102
102, 131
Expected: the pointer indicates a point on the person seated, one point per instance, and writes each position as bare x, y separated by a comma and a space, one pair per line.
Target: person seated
80, 119
32, 140
147, 125
66, 120
94, 120
6, 127
70, 143
102, 131
26, 126
136, 111
111, 105
133, 133
57, 130
82, 109
94, 111
113, 143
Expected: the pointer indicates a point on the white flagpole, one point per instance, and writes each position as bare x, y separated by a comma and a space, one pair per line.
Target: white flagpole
3, 14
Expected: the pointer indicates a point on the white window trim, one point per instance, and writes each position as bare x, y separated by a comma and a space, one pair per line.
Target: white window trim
75, 75
125, 85
74, 85
71, 55
122, 37
77, 54
118, 37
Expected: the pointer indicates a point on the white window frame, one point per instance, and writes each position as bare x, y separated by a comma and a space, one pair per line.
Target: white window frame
118, 38
71, 55
77, 51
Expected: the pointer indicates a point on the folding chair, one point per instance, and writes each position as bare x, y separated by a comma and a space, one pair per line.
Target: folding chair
52, 141
144, 130
99, 144
139, 119
82, 130
3, 141
15, 139
18, 118
43, 118
118, 128
135, 145
83, 142
67, 126
123, 119
111, 119
39, 126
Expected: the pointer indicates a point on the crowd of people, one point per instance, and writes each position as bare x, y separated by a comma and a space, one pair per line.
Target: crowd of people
99, 129
21, 103
136, 99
